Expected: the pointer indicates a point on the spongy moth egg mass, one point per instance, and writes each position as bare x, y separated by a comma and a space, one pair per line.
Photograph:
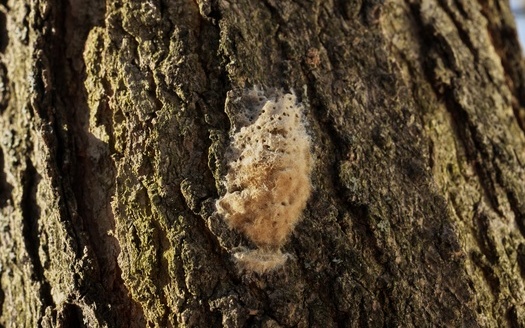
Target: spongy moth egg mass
268, 181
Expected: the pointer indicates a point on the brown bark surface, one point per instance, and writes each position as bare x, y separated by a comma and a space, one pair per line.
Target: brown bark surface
115, 118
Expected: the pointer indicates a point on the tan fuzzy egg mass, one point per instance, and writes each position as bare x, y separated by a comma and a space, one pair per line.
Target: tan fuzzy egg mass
268, 182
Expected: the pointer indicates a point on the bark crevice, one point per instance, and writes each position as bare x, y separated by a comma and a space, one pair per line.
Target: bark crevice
31, 232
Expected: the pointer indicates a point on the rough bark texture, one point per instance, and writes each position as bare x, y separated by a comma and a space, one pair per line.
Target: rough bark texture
114, 129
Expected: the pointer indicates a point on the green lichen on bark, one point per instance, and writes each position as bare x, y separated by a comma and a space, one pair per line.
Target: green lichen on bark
36, 247
474, 135
154, 112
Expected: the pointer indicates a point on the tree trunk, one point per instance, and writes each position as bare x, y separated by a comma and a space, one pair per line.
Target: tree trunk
117, 118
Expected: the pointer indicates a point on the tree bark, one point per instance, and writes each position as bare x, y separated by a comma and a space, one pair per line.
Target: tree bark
116, 118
